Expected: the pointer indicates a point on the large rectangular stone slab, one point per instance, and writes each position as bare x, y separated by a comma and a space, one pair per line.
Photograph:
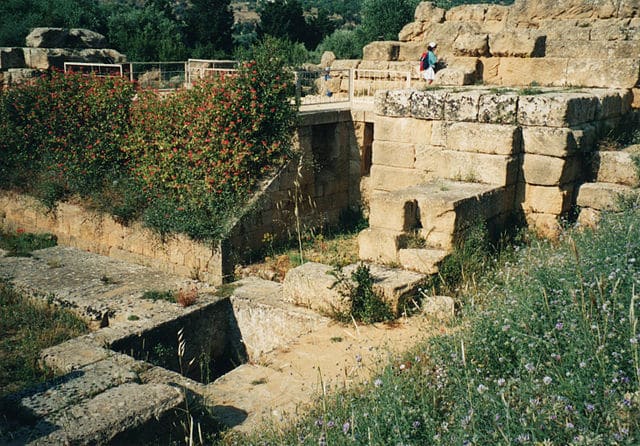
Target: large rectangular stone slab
421, 260
462, 106
467, 166
555, 109
405, 130
498, 108
541, 71
379, 245
484, 138
517, 43
393, 178
550, 141
617, 166
619, 73
393, 103
550, 171
602, 196
395, 154
548, 199
393, 210
428, 104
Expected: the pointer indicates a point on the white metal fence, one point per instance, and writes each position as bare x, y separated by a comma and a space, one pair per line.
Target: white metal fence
313, 87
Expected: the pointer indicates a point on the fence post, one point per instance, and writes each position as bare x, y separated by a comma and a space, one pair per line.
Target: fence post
352, 86
296, 75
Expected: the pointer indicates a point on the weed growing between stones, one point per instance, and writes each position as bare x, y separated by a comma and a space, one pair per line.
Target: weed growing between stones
363, 303
169, 296
22, 244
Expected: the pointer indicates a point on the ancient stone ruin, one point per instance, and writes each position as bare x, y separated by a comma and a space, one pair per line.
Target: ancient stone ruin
509, 134
48, 48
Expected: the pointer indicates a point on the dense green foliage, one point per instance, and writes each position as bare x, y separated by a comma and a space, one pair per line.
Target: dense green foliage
22, 244
27, 327
548, 354
184, 162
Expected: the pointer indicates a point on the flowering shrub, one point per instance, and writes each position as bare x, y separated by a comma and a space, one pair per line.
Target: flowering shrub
64, 129
198, 153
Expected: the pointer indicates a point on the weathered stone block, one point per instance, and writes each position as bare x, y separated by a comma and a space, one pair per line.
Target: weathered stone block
439, 132
455, 76
557, 142
472, 45
602, 196
379, 245
517, 44
556, 109
462, 106
617, 167
550, 171
466, 166
393, 178
440, 308
393, 103
395, 211
428, 104
65, 38
381, 51
422, 260
589, 217
545, 225
548, 199
484, 138
427, 12
498, 108
411, 31
404, 130
396, 154
541, 71
618, 73
312, 285
466, 13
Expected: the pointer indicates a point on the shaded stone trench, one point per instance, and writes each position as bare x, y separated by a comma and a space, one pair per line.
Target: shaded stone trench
248, 356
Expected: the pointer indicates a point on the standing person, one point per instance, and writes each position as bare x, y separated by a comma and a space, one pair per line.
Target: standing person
428, 63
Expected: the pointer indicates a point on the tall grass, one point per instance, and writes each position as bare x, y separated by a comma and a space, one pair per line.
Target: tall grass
548, 355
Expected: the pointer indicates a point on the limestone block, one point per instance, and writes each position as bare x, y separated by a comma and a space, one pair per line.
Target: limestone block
404, 130
602, 196
467, 166
488, 68
396, 154
557, 142
345, 64
454, 77
466, 13
381, 51
473, 45
368, 69
484, 138
550, 171
312, 285
545, 225
517, 44
589, 217
411, 51
548, 199
542, 71
11, 58
422, 260
439, 132
616, 73
439, 308
590, 49
393, 103
610, 30
617, 167
498, 108
394, 178
556, 109
64, 38
379, 245
428, 104
411, 31
395, 211
427, 12
327, 59
462, 106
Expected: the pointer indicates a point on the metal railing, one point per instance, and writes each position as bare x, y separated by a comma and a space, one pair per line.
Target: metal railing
322, 86
158, 75
313, 87
206, 68
95, 69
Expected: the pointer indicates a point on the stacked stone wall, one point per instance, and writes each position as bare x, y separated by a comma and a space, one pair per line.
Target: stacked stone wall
535, 146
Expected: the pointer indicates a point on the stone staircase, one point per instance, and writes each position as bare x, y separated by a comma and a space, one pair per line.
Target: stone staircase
615, 175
